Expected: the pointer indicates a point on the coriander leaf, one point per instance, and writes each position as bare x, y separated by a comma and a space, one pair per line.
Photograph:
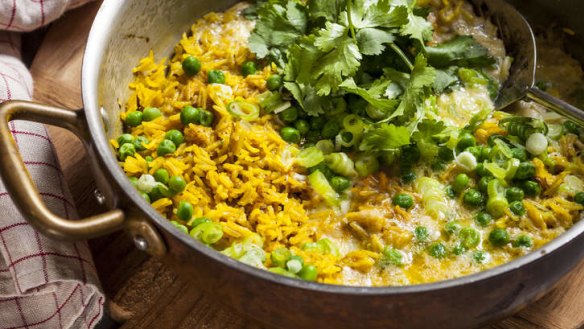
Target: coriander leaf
328, 37
328, 10
305, 95
340, 62
301, 60
417, 28
421, 78
462, 51
371, 41
385, 137
373, 94
371, 14
424, 137
277, 27
445, 78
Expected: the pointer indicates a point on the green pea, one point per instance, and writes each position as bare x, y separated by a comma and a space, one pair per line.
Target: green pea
274, 82
579, 198
469, 237
134, 118
148, 158
289, 115
151, 113
161, 175
324, 169
532, 188
146, 197
248, 68
525, 170
421, 233
177, 184
140, 143
499, 237
450, 192
175, 136
473, 197
570, 127
316, 123
522, 241
191, 65
438, 166
302, 126
340, 183
483, 218
290, 134
184, 210
480, 256
485, 153
207, 118
280, 256
437, 250
190, 114
330, 129
445, 154
126, 150
408, 176
125, 139
482, 171
460, 182
476, 151
165, 147
403, 200
458, 250
519, 153
199, 221
484, 183
517, 208
216, 76
410, 154
452, 227
465, 140
156, 194
392, 256
308, 273
514, 194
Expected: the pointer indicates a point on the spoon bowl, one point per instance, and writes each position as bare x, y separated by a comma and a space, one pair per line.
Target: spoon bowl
520, 44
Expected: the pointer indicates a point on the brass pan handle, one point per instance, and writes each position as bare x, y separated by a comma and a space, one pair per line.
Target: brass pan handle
23, 190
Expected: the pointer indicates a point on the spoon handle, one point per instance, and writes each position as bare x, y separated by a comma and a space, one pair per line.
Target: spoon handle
556, 105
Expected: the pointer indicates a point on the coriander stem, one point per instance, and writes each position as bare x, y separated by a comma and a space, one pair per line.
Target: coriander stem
350, 19
402, 55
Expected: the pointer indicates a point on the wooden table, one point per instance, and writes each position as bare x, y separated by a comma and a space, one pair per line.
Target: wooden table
142, 292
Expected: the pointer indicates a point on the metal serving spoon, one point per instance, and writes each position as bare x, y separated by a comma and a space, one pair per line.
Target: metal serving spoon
520, 44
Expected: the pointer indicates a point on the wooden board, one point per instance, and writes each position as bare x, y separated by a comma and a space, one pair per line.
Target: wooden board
141, 290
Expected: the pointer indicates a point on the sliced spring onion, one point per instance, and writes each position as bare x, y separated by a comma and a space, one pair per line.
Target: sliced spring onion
146, 183
345, 138
497, 203
536, 144
244, 110
466, 161
433, 197
353, 123
310, 157
272, 101
326, 146
322, 187
208, 232
366, 164
341, 164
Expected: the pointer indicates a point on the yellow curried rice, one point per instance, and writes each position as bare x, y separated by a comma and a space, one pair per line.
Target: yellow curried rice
241, 174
